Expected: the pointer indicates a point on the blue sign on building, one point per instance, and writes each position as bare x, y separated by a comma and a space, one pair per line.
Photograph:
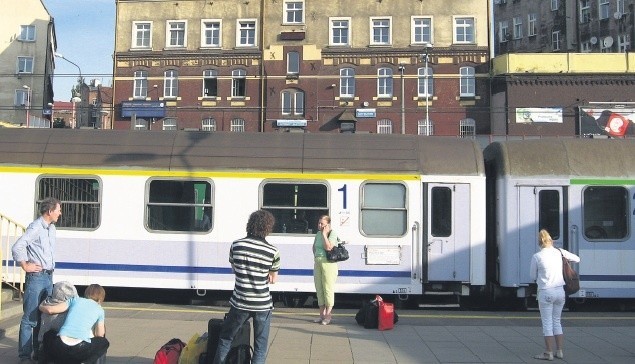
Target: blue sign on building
143, 109
365, 113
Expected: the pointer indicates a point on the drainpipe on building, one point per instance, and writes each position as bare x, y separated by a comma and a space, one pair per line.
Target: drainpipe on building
262, 66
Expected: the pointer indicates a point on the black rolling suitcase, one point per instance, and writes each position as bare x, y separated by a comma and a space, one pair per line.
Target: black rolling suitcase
241, 342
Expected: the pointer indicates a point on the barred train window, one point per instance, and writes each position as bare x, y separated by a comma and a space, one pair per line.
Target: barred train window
383, 210
606, 213
179, 205
296, 206
80, 197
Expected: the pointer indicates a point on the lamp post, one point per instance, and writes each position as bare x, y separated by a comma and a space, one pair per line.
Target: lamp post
27, 104
80, 82
402, 68
426, 56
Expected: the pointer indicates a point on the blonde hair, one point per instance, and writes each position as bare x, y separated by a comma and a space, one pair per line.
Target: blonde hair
544, 239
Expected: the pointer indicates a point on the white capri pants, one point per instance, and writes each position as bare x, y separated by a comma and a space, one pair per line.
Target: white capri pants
551, 302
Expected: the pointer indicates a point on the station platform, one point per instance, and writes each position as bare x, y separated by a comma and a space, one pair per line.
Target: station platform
137, 330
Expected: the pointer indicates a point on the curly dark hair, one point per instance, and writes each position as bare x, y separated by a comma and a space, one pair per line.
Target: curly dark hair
260, 224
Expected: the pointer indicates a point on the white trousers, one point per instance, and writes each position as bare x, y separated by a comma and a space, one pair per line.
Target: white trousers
551, 301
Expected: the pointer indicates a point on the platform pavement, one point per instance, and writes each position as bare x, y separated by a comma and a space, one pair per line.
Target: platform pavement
136, 331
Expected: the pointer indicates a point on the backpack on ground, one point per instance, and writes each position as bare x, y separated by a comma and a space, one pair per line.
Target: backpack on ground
170, 352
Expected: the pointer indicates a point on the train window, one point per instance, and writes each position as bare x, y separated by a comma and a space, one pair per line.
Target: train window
80, 197
441, 212
383, 210
605, 212
179, 205
296, 207
549, 212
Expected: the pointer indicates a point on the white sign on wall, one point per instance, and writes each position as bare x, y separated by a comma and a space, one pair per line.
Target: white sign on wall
538, 115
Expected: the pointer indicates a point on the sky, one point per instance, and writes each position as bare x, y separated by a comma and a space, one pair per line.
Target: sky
85, 32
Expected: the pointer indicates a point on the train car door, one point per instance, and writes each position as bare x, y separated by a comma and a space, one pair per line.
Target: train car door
538, 208
448, 232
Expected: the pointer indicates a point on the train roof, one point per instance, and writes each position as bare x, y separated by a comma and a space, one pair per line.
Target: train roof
565, 157
198, 151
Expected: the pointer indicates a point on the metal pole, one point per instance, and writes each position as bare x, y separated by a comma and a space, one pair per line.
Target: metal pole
403, 104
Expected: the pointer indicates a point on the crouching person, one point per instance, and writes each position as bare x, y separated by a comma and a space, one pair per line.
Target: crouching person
81, 337
62, 292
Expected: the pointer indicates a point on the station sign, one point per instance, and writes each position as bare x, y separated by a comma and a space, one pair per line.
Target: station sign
291, 122
365, 113
143, 109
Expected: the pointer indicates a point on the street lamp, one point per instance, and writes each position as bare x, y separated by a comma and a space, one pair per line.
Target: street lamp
27, 104
80, 81
402, 68
426, 56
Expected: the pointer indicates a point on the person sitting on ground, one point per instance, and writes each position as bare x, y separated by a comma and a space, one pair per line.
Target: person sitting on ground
81, 338
62, 292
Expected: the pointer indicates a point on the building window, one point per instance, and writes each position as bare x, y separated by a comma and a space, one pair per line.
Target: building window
25, 64
246, 36
140, 124
384, 82
425, 82
21, 98
27, 33
554, 5
468, 82
209, 124
339, 31
179, 205
425, 127
383, 209
585, 11
531, 24
518, 27
467, 128
140, 84
169, 124
384, 126
237, 125
292, 102
296, 206
80, 199
177, 36
294, 12
620, 6
503, 33
239, 80
585, 47
210, 83
464, 30
347, 82
171, 84
380, 31
604, 9
555, 40
293, 63
211, 33
623, 43
421, 30
142, 33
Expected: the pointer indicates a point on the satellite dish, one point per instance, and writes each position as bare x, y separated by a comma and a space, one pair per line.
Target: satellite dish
608, 41
593, 40
617, 15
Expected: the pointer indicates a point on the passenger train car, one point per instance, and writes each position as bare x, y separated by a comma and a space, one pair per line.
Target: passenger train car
160, 209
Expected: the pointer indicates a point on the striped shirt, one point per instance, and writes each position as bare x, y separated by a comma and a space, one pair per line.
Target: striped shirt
252, 259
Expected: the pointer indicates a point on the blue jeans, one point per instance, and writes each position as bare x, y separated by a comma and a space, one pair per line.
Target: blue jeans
231, 325
38, 287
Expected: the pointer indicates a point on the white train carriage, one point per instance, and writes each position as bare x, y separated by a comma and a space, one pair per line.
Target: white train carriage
160, 209
582, 192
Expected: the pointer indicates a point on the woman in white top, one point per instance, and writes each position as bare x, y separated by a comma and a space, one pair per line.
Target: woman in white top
546, 270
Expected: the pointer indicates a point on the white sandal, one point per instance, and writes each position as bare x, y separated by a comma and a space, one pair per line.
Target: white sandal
544, 356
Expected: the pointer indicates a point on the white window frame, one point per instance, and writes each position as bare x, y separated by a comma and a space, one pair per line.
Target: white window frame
27, 33
291, 8
585, 11
169, 124
517, 29
467, 128
140, 124
171, 84
208, 124
380, 31
467, 83
384, 126
211, 75
425, 82
620, 6
237, 125
421, 30
239, 81
140, 84
555, 40
503, 33
292, 102
337, 23
24, 65
384, 82
215, 27
179, 29
623, 43
425, 127
585, 47
21, 98
347, 82
246, 33
604, 9
293, 63
139, 35
464, 29
554, 5
532, 25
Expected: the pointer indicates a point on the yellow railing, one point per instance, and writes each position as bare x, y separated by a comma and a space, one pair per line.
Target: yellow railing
12, 274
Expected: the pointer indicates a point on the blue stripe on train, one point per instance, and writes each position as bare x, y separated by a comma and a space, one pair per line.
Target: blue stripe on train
599, 278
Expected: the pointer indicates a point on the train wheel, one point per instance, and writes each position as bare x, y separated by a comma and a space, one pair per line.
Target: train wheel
293, 300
